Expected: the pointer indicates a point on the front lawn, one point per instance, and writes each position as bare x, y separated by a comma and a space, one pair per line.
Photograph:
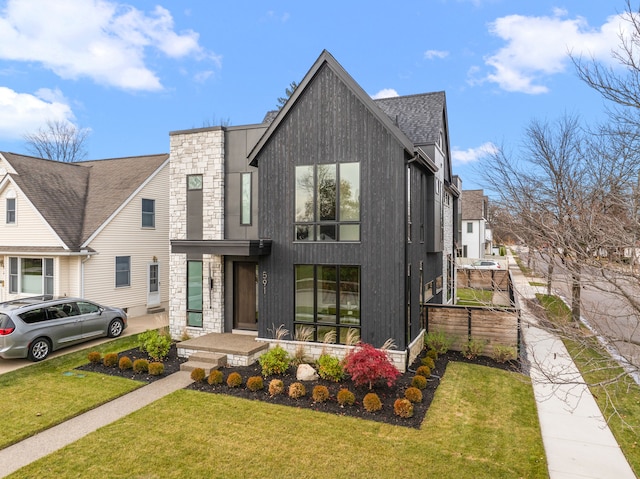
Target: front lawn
473, 297
44, 394
481, 424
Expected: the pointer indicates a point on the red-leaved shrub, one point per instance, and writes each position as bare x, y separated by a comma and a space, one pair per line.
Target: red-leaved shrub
367, 365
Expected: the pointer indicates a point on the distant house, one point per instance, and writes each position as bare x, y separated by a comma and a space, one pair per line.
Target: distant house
94, 229
476, 235
334, 218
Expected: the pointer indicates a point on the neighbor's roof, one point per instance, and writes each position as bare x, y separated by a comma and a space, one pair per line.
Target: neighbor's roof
473, 204
77, 198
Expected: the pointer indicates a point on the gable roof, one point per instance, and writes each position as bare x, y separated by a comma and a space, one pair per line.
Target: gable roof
77, 198
326, 59
420, 116
474, 203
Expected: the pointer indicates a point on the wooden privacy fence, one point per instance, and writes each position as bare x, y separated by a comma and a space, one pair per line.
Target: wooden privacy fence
495, 326
484, 278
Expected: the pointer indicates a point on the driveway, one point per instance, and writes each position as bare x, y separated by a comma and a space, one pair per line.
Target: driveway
136, 325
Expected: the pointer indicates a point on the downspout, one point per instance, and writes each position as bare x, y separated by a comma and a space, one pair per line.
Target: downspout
87, 258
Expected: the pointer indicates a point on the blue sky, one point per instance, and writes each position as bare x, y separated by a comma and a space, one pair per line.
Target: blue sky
131, 72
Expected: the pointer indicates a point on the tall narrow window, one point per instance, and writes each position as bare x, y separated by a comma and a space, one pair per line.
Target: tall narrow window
194, 293
194, 207
148, 213
13, 275
48, 276
245, 199
469, 227
327, 202
11, 211
123, 271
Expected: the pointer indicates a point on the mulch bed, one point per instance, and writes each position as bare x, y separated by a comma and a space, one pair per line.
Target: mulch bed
387, 394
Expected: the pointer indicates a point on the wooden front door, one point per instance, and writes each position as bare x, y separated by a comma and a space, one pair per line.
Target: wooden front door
245, 307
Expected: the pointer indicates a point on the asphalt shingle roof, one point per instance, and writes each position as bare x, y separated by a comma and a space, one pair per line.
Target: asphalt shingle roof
77, 198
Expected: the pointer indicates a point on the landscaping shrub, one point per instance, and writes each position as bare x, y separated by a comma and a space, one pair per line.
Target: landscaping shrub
155, 344
433, 354
215, 377
198, 375
110, 360
156, 368
297, 390
94, 357
438, 341
125, 363
346, 397
403, 407
429, 362
330, 368
367, 366
473, 348
502, 354
419, 382
276, 386
274, 361
423, 371
141, 365
320, 393
371, 402
413, 394
234, 380
254, 383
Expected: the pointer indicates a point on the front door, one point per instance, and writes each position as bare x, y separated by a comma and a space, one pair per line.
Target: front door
245, 307
153, 285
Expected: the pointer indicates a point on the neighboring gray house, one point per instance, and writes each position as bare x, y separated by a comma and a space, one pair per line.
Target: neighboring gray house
334, 217
476, 236
94, 229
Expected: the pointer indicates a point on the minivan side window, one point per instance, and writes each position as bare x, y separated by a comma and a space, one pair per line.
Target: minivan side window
34, 316
86, 308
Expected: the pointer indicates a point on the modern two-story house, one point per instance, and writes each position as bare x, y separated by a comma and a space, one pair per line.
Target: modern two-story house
334, 218
476, 236
93, 229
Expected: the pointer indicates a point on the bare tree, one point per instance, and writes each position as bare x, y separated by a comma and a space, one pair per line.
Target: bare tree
288, 92
59, 141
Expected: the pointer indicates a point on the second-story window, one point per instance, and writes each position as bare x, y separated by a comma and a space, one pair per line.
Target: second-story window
245, 199
327, 202
148, 213
11, 211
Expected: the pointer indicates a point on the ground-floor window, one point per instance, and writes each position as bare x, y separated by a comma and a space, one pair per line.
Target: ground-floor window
327, 303
194, 293
31, 275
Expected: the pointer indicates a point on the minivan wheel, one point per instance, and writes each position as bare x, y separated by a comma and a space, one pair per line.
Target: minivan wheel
115, 328
39, 349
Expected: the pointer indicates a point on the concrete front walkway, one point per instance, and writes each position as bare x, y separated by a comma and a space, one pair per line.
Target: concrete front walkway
25, 452
577, 440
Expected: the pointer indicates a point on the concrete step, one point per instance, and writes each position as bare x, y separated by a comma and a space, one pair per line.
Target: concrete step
155, 310
191, 365
205, 360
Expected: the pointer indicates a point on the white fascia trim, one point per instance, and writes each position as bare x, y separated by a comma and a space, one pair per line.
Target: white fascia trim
9, 180
125, 203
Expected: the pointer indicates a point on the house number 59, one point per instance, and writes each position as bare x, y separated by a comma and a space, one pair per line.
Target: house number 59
264, 282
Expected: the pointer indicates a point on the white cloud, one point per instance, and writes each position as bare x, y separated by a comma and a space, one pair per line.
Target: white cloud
385, 93
538, 47
98, 39
471, 155
21, 113
430, 54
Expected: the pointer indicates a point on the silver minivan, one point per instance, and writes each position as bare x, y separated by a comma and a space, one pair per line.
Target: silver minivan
35, 326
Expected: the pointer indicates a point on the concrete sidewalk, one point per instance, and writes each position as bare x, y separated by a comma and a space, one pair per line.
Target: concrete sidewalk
577, 440
31, 449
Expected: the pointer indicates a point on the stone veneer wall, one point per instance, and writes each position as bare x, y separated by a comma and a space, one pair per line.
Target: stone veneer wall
198, 151
314, 350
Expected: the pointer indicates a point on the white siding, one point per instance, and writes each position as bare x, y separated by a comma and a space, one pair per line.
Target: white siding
125, 236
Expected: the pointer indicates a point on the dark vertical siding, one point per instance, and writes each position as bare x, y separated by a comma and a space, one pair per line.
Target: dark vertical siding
329, 124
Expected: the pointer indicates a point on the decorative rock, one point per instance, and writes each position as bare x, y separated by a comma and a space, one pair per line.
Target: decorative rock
306, 372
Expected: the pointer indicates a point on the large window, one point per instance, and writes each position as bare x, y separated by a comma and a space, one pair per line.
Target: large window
327, 202
245, 199
194, 293
11, 211
31, 275
327, 302
148, 213
123, 271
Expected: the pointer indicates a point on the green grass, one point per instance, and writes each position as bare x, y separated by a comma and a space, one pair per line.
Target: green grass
482, 424
617, 395
473, 297
537, 283
41, 395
